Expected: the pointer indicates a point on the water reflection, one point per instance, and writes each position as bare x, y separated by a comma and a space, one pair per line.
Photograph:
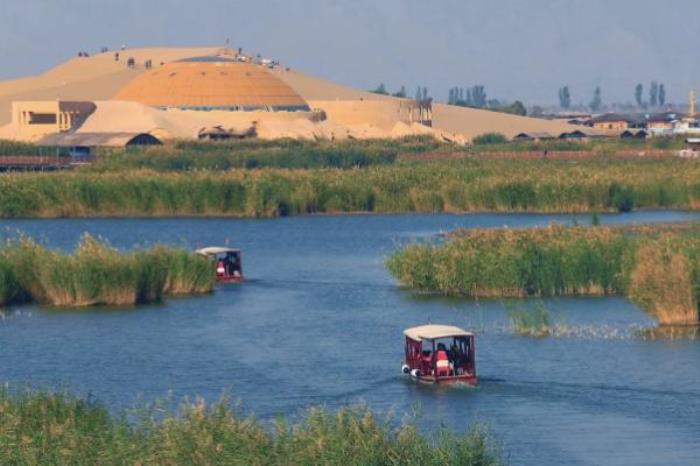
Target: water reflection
671, 332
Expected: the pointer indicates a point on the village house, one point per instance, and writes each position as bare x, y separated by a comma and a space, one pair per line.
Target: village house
612, 122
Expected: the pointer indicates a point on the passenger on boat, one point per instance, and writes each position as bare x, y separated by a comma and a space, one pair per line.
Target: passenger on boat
457, 356
220, 269
426, 357
442, 363
231, 265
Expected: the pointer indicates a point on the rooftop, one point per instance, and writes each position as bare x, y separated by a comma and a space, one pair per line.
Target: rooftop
212, 83
434, 332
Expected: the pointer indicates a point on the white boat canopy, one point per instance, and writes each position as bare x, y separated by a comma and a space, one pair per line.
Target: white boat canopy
214, 250
434, 332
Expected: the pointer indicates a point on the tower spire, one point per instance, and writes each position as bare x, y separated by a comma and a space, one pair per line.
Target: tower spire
692, 110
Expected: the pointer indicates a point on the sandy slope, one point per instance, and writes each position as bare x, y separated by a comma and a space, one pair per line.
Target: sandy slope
311, 88
95, 78
469, 122
472, 122
133, 117
351, 112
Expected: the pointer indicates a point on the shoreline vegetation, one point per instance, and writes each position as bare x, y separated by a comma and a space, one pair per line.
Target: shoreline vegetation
657, 267
43, 428
280, 178
456, 186
97, 274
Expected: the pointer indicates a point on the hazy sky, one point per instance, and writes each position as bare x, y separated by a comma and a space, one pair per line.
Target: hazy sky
521, 49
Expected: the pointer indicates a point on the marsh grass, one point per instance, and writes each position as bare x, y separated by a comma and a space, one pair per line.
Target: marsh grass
603, 146
466, 185
666, 279
42, 428
97, 274
657, 267
8, 147
534, 322
290, 154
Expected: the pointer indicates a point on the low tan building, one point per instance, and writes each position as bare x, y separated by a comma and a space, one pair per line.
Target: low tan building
610, 121
35, 119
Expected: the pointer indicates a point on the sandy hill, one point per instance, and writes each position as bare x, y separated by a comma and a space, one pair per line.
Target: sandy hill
469, 122
350, 112
97, 77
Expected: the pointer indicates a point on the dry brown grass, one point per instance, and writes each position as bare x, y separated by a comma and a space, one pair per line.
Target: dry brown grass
662, 282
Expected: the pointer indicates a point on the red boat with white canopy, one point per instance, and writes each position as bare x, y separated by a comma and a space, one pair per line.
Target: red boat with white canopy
227, 262
440, 354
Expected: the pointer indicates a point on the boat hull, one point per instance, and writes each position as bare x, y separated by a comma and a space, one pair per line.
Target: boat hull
472, 380
229, 279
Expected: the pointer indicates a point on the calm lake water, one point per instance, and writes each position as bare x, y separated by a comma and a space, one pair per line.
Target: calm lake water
319, 322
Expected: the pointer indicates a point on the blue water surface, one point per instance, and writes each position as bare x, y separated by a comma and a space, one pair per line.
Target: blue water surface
319, 322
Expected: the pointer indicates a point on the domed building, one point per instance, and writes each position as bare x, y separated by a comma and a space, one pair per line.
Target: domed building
212, 83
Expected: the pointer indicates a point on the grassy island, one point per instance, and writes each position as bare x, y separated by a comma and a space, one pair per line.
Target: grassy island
98, 274
657, 267
40, 428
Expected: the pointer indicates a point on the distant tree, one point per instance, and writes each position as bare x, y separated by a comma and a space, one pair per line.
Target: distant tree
478, 96
490, 138
537, 111
654, 94
518, 108
564, 97
425, 93
456, 97
638, 93
597, 101
419, 93
662, 95
381, 89
401, 92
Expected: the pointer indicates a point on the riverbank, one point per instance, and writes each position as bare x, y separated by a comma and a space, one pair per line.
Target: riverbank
656, 267
40, 428
98, 274
469, 185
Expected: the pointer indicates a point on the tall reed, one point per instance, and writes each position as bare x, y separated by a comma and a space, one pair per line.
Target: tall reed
659, 268
41, 428
534, 322
431, 186
227, 155
98, 274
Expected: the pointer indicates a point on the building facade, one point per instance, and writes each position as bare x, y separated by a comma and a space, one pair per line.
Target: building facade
35, 119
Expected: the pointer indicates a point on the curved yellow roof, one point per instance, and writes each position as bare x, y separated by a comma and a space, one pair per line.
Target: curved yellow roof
212, 83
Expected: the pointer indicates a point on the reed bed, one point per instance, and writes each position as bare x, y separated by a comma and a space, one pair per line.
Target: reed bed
534, 322
98, 274
602, 146
657, 267
14, 148
439, 186
41, 428
291, 154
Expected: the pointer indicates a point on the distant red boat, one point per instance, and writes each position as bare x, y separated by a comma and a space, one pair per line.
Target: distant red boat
227, 263
440, 354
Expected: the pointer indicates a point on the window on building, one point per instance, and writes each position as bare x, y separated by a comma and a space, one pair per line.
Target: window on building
42, 119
